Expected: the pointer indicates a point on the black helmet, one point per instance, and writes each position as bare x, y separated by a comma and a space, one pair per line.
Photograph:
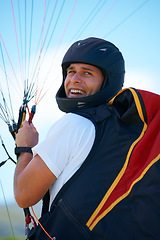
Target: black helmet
101, 54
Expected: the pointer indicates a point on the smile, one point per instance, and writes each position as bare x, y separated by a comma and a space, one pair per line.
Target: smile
75, 91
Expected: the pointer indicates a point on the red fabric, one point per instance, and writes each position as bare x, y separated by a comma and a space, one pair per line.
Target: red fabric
144, 153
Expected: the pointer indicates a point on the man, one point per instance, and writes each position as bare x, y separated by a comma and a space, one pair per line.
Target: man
103, 181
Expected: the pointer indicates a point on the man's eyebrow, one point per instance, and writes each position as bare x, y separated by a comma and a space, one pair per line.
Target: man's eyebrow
89, 69
70, 67
85, 68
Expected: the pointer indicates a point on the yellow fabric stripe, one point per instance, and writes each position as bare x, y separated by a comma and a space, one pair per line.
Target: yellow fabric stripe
138, 104
112, 100
121, 173
116, 181
23, 118
124, 195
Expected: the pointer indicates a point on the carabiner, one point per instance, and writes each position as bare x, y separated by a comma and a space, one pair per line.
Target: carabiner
29, 219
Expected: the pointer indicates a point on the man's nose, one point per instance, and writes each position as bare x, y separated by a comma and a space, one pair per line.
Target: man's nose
76, 78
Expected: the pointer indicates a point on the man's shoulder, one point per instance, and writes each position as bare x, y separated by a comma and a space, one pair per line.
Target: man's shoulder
72, 121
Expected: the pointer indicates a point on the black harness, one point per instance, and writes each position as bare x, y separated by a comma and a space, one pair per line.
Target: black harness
113, 195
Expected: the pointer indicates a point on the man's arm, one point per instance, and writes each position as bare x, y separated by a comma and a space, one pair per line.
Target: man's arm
32, 177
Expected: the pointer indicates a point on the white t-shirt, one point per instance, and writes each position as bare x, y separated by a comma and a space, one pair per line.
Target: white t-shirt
65, 148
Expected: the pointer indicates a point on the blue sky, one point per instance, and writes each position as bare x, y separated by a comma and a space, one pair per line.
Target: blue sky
133, 26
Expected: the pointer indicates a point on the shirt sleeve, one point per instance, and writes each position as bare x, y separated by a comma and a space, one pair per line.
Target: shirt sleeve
69, 140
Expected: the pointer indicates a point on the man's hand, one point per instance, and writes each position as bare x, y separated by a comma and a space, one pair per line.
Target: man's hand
27, 136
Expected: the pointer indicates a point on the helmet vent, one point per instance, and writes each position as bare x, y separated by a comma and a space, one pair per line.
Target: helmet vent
103, 49
81, 104
81, 44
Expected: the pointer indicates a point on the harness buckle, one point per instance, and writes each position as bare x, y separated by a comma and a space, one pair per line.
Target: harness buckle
29, 219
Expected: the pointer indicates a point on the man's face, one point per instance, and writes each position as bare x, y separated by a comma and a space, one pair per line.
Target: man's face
82, 80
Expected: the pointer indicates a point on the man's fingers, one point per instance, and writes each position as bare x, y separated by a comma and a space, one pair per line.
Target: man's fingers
25, 123
33, 127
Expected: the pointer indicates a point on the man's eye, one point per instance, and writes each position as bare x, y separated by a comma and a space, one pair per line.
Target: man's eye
70, 72
88, 73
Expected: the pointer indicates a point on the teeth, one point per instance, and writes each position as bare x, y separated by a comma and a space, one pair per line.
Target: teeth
76, 91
